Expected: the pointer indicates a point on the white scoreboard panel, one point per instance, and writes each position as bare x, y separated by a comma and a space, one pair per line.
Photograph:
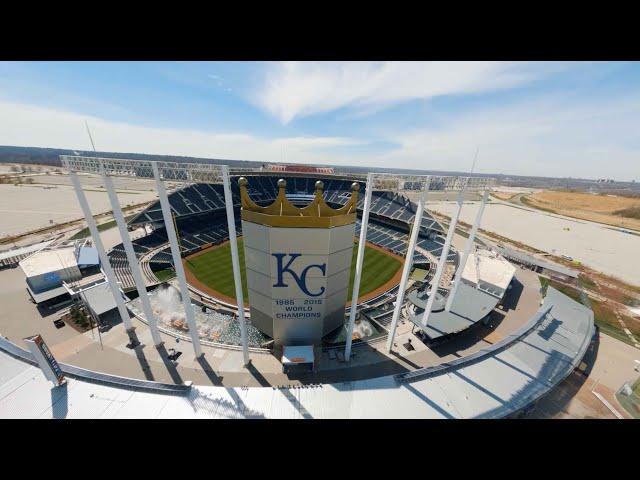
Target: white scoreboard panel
297, 280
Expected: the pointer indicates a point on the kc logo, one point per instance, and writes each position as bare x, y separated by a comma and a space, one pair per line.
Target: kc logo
300, 280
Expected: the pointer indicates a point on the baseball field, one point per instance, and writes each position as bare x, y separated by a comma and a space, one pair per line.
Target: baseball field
210, 271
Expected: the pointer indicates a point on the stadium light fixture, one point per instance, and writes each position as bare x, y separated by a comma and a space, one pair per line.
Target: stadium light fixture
359, 262
102, 254
177, 172
177, 262
133, 261
408, 260
408, 183
467, 251
235, 262
435, 281
188, 173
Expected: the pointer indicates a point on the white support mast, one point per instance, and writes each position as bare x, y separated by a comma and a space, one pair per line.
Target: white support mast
104, 258
467, 251
359, 262
231, 224
435, 282
408, 260
177, 261
133, 261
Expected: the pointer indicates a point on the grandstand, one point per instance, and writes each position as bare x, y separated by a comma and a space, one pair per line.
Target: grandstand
499, 367
199, 213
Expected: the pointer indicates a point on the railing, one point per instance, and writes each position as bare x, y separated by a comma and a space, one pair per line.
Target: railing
97, 377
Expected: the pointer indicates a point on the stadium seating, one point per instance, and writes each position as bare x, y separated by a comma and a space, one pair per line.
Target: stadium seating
200, 198
200, 215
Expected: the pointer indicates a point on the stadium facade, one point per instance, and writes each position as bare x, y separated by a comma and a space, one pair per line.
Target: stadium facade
206, 212
298, 264
439, 291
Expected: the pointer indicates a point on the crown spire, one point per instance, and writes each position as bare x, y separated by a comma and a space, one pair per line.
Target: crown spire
283, 213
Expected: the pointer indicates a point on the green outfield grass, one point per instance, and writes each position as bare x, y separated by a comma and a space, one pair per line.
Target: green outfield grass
214, 269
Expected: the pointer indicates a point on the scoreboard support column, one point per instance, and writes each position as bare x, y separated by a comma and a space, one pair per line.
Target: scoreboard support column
359, 262
408, 260
177, 261
467, 251
104, 258
235, 261
133, 260
435, 282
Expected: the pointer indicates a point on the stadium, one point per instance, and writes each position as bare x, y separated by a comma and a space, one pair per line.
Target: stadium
199, 214
278, 279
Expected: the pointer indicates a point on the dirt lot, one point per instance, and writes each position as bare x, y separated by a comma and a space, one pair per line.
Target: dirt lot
28, 207
609, 209
597, 246
504, 195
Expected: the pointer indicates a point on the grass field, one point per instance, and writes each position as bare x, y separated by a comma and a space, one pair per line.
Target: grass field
165, 274
615, 210
214, 269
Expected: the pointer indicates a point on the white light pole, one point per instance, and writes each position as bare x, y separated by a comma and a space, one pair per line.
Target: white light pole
359, 262
235, 261
177, 261
104, 258
408, 260
132, 259
435, 283
467, 251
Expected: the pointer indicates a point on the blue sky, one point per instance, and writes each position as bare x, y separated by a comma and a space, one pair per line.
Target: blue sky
530, 118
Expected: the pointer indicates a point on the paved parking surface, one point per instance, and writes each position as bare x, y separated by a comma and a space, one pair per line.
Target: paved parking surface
598, 246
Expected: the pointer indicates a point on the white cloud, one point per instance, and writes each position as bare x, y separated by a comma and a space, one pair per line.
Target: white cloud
544, 136
298, 89
33, 126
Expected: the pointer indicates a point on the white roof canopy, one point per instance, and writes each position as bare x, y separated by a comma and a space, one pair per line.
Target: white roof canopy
488, 267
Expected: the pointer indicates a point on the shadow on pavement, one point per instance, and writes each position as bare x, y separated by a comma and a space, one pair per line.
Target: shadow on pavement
257, 375
511, 299
171, 368
208, 370
140, 356
296, 403
403, 359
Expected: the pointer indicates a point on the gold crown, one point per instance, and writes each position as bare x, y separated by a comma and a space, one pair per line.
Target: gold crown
282, 213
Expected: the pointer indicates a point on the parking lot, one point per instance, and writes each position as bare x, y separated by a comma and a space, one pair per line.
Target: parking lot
598, 246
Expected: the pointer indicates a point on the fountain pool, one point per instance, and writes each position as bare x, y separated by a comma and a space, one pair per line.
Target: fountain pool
217, 327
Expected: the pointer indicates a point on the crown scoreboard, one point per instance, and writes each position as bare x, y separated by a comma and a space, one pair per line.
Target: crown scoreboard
298, 264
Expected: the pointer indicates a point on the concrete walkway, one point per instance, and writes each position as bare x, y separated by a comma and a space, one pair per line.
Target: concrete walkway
220, 366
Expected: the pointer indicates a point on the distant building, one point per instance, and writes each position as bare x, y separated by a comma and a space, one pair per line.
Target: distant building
274, 167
